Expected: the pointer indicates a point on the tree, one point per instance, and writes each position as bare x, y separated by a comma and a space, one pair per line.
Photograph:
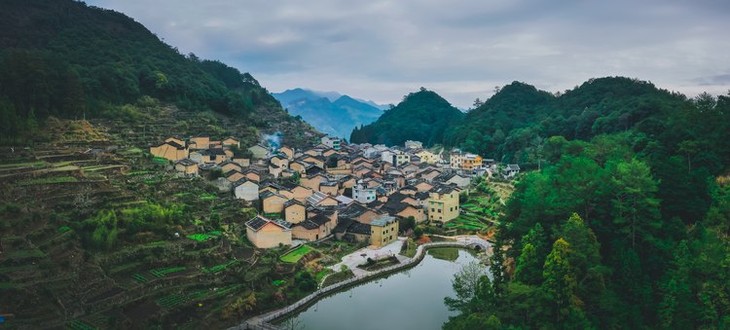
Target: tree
466, 285
635, 209
528, 269
559, 281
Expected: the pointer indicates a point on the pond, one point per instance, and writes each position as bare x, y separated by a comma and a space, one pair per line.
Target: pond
411, 299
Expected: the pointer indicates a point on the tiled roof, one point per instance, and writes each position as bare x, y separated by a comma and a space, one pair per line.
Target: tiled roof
259, 222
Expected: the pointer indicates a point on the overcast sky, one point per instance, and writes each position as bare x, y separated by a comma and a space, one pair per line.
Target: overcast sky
462, 49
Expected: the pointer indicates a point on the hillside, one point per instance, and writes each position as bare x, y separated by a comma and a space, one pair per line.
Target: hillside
336, 118
515, 121
423, 116
65, 59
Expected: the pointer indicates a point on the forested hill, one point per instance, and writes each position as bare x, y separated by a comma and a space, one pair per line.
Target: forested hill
63, 58
626, 222
423, 116
513, 123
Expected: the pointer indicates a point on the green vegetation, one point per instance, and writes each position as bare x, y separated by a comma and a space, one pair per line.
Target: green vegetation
91, 62
444, 253
220, 267
295, 255
205, 236
338, 277
48, 180
637, 218
423, 116
162, 272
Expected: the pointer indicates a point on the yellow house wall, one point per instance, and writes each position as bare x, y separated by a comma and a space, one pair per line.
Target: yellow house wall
443, 207
270, 236
274, 205
295, 213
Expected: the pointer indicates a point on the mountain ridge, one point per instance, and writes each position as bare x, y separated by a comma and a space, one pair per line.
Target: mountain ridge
334, 116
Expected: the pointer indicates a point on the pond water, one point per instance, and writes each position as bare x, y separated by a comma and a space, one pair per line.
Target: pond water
411, 299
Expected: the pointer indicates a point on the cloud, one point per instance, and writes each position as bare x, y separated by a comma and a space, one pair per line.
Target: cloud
382, 50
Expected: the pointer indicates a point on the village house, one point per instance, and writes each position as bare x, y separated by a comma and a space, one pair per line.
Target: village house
510, 171
228, 166
383, 230
395, 157
186, 166
428, 174
321, 199
252, 174
246, 190
272, 202
244, 162
453, 178
234, 176
331, 142
403, 209
170, 150
298, 166
423, 186
313, 182
362, 193
314, 160
231, 142
300, 193
294, 211
258, 151
428, 157
329, 187
288, 152
319, 226
443, 204
199, 142
464, 161
359, 213
352, 231
413, 144
265, 233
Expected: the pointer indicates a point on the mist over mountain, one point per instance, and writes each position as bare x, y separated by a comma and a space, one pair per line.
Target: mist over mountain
329, 112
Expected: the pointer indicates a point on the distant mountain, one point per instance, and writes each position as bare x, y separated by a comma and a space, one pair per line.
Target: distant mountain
422, 116
328, 112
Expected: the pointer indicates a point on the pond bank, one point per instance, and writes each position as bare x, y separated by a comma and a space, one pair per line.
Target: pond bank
263, 321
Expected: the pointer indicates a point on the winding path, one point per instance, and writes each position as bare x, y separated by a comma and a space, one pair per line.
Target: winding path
262, 322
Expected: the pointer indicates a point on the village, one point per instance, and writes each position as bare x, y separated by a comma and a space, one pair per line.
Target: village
359, 193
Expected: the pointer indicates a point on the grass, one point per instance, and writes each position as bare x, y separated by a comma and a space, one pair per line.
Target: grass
202, 237
139, 278
162, 272
410, 250
295, 255
15, 166
208, 197
444, 253
160, 161
177, 299
338, 277
22, 254
50, 180
79, 325
220, 267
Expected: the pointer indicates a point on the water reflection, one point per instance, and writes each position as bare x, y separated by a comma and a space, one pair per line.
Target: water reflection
385, 303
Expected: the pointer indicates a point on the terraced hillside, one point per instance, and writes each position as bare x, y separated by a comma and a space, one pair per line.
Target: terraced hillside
97, 235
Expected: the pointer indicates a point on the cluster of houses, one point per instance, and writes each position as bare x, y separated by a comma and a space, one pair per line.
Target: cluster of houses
354, 192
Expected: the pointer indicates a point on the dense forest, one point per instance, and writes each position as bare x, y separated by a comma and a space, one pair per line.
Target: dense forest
625, 225
422, 116
65, 59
